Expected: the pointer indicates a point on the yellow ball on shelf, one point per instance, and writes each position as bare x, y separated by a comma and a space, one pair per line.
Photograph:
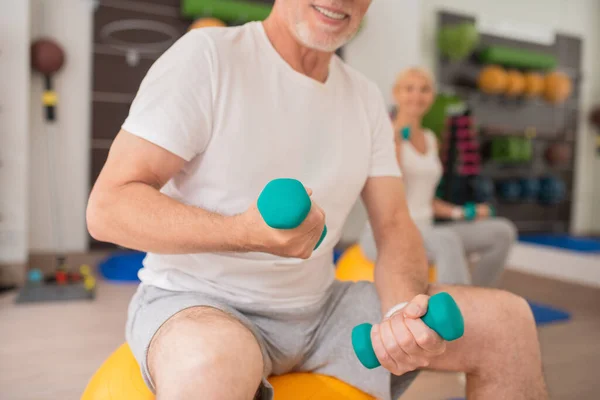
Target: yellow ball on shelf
557, 88
493, 80
206, 23
534, 84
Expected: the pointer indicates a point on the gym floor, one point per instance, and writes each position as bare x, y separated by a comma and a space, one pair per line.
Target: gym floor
50, 351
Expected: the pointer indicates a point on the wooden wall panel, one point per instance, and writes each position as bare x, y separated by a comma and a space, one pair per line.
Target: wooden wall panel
115, 81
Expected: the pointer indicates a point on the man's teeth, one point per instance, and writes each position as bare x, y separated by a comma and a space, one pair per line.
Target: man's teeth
330, 14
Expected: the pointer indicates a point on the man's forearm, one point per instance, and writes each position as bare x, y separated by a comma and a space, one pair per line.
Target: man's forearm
140, 217
401, 270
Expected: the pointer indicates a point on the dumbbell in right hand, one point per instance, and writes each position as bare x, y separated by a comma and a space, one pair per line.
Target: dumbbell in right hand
285, 204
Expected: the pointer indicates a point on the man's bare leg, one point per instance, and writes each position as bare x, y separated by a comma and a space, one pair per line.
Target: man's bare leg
203, 353
500, 350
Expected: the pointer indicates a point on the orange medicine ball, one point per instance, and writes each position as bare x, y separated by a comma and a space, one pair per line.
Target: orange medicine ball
534, 84
557, 88
493, 80
206, 22
515, 85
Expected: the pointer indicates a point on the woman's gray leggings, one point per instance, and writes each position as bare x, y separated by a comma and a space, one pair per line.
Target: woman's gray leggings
450, 246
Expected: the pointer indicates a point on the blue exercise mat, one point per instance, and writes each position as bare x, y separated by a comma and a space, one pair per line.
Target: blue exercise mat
122, 266
545, 314
566, 242
336, 256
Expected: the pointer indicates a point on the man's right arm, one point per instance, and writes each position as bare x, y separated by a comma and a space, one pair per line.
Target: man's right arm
127, 208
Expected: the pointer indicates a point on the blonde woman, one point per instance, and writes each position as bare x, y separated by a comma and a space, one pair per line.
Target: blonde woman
450, 245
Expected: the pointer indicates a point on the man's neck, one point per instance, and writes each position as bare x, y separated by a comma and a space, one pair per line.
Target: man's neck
312, 63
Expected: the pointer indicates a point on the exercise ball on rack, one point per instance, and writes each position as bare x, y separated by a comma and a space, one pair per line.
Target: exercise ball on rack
534, 84
483, 189
509, 190
493, 80
557, 87
530, 188
552, 191
515, 85
206, 23
558, 154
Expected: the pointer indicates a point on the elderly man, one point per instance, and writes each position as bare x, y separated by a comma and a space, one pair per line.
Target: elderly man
225, 300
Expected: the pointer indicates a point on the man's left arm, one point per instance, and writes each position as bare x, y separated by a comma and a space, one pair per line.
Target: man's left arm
401, 342
401, 266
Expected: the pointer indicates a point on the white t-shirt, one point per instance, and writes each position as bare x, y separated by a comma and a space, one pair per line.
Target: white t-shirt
225, 101
421, 173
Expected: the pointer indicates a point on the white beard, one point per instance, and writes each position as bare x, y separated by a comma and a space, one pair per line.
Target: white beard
305, 36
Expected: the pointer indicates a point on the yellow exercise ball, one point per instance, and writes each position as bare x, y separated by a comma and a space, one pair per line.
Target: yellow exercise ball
534, 84
307, 386
119, 378
515, 83
354, 266
493, 80
557, 87
207, 22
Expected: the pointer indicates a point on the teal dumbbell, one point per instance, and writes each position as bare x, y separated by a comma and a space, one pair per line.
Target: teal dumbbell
470, 211
443, 317
405, 133
284, 204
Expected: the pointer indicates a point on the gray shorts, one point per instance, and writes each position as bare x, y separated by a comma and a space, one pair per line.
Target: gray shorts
316, 339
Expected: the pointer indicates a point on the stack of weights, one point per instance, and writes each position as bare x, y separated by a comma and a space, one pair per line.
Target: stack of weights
460, 156
460, 149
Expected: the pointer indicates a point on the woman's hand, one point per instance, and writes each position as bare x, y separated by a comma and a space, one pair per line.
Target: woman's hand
484, 211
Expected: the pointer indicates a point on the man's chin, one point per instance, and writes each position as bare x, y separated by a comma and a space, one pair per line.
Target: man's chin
312, 41
326, 46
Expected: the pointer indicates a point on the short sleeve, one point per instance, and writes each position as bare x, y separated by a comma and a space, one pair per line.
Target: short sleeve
174, 104
383, 150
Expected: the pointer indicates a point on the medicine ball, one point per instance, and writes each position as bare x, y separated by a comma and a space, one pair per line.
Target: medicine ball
557, 87
534, 84
483, 189
552, 191
515, 85
509, 190
206, 22
47, 57
558, 154
530, 188
458, 41
493, 80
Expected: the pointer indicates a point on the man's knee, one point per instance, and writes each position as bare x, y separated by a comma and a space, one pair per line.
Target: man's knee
202, 341
492, 315
509, 321
516, 308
